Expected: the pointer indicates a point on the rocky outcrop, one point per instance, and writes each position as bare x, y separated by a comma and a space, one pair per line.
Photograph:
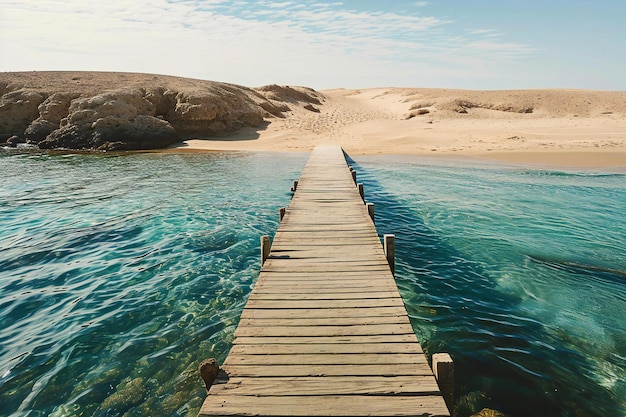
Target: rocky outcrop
17, 110
51, 112
121, 120
214, 113
288, 94
142, 112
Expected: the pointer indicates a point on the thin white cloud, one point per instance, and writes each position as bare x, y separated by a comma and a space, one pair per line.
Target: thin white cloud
247, 42
482, 32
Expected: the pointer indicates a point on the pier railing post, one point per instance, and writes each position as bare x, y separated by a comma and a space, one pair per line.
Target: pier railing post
282, 212
370, 210
389, 244
361, 191
265, 248
443, 368
295, 186
353, 172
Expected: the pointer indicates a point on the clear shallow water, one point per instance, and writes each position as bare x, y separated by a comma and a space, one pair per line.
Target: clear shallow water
119, 274
519, 274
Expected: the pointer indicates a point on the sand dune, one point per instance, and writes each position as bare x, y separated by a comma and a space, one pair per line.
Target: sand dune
555, 127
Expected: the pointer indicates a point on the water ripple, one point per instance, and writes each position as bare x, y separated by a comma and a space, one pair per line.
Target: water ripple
517, 274
120, 274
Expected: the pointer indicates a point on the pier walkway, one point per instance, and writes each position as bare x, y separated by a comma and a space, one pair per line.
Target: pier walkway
325, 332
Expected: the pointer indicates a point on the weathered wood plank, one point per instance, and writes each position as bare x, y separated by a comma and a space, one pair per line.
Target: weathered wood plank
289, 287
354, 348
356, 330
290, 340
390, 370
338, 385
321, 267
321, 304
284, 312
324, 321
346, 405
278, 296
326, 261
383, 274
306, 359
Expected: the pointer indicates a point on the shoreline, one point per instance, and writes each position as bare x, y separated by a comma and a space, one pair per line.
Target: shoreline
540, 159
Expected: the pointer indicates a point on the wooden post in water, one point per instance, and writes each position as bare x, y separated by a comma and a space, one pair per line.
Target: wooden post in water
361, 191
265, 248
209, 369
370, 210
389, 244
353, 172
282, 212
443, 368
295, 186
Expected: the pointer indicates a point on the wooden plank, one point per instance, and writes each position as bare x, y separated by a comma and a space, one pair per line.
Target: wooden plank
323, 260
355, 348
321, 304
328, 249
327, 296
306, 359
357, 330
328, 281
291, 287
290, 340
324, 280
321, 267
283, 312
324, 321
298, 370
346, 405
338, 385
383, 274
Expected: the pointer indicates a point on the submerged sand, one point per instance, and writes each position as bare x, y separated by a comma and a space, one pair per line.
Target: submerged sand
550, 127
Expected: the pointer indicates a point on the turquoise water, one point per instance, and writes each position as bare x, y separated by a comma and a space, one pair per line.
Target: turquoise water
519, 274
119, 274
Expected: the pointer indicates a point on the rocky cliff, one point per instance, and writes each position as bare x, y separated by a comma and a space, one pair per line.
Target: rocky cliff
122, 111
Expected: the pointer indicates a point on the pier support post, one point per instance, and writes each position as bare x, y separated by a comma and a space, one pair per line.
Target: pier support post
390, 251
282, 212
361, 191
370, 210
295, 186
209, 369
265, 248
353, 172
443, 368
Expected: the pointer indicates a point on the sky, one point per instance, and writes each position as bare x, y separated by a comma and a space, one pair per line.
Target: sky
472, 44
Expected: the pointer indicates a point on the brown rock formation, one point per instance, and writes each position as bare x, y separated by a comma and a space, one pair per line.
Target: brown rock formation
17, 110
119, 111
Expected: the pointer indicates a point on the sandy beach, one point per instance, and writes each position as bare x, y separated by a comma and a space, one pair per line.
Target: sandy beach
576, 128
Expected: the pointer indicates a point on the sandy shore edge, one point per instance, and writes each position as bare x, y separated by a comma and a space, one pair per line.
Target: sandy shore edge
544, 128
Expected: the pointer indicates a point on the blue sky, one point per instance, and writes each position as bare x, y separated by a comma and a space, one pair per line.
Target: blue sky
474, 44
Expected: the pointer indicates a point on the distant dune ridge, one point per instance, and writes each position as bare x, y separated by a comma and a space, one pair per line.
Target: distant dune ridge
118, 111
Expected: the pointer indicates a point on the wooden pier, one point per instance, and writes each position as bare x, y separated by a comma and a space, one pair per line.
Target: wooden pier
325, 332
